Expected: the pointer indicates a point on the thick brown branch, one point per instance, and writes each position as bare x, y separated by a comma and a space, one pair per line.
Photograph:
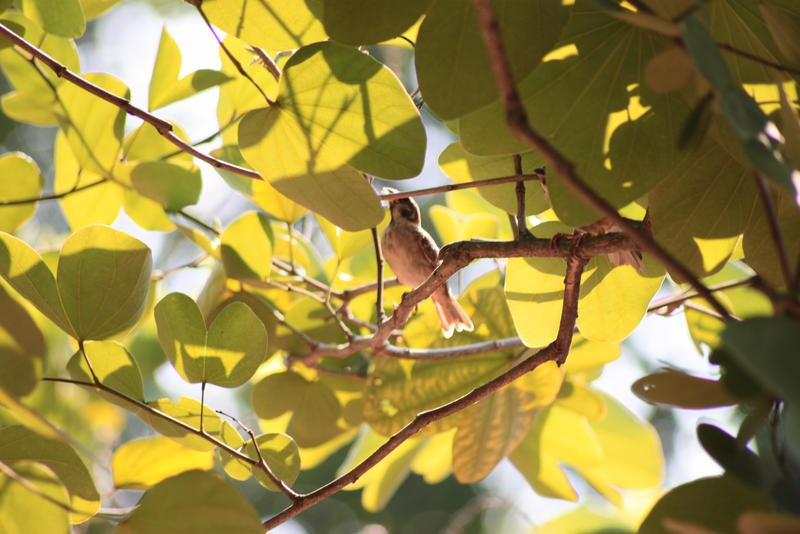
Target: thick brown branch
163, 127
556, 351
517, 120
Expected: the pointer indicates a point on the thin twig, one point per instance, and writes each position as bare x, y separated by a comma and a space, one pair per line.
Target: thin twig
522, 219
54, 196
160, 275
380, 316
198, 222
672, 301
163, 127
554, 352
487, 347
517, 120
456, 187
774, 229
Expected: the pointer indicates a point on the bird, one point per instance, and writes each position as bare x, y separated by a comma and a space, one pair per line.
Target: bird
413, 255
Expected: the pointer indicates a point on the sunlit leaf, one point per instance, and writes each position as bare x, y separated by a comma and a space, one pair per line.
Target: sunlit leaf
143, 463
113, 366
187, 411
24, 511
246, 247
23, 181
59, 17
357, 22
201, 502
466, 82
282, 456
95, 8
760, 249
269, 24
172, 185
17, 443
227, 354
103, 279
33, 108
22, 348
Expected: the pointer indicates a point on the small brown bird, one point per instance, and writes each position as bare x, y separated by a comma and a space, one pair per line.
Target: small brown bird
413, 255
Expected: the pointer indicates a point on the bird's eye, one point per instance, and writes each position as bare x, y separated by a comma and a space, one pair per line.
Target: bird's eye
407, 213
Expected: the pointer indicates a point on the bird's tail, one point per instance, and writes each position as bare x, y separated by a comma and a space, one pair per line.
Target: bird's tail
450, 314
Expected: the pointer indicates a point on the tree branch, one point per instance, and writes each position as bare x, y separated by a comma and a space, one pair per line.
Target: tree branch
774, 230
54, 196
517, 120
163, 127
556, 351
469, 185
376, 242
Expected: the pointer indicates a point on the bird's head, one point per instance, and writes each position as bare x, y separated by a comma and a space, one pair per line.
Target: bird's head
402, 209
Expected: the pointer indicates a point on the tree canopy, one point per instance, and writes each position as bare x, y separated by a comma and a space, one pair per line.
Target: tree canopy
607, 160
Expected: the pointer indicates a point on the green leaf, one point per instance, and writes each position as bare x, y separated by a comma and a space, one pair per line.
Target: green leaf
227, 354
713, 503
344, 244
113, 366
30, 107
199, 502
705, 54
59, 17
313, 420
18, 443
24, 269
282, 456
586, 355
737, 460
23, 181
759, 247
17, 502
94, 8
165, 87
335, 106
589, 100
22, 348
465, 82
98, 204
94, 127
142, 463
489, 430
103, 279
463, 167
395, 394
676, 388
784, 25
269, 24
359, 22
187, 411
246, 247
173, 185
22, 74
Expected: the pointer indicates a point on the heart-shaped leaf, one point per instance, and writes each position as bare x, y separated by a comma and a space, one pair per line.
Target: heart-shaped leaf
246, 247
226, 354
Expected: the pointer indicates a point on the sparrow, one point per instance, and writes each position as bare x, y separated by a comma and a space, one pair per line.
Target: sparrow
413, 255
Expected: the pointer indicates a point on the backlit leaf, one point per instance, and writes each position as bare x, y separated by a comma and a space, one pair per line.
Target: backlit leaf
356, 22
22, 348
187, 411
760, 250
143, 463
18, 443
59, 17
23, 180
200, 502
17, 502
282, 456
172, 185
246, 247
113, 366
103, 279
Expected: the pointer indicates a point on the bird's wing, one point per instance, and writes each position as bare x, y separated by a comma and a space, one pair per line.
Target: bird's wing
430, 252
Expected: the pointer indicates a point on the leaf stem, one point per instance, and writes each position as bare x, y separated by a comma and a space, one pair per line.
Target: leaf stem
775, 230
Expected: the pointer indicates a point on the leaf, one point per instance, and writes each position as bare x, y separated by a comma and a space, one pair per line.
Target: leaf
172, 185
466, 81
737, 460
589, 100
200, 502
488, 431
759, 248
269, 24
17, 501
714, 503
676, 388
22, 348
355, 22
767, 523
282, 456
30, 107
335, 106
103, 279
24, 269
314, 407
394, 395
246, 247
98, 204
586, 355
94, 8
143, 463
59, 17
18, 443
94, 127
165, 87
23, 181
187, 411
344, 244
227, 354
463, 167
784, 25
113, 366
